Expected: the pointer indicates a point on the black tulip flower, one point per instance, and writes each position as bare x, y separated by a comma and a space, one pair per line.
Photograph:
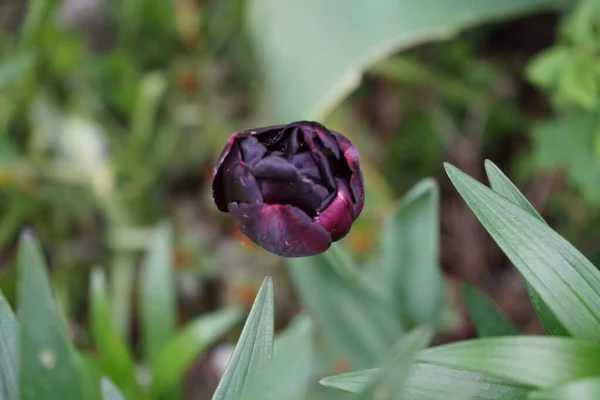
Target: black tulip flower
293, 189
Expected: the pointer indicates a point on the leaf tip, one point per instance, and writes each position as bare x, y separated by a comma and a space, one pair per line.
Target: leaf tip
27, 234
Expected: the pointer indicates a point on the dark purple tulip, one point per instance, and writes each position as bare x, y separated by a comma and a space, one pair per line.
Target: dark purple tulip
293, 189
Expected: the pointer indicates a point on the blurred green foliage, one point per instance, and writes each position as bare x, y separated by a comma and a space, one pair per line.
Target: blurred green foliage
112, 112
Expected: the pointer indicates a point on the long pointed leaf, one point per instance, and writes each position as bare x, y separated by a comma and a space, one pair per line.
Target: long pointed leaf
503, 186
410, 255
487, 318
157, 293
581, 389
539, 361
9, 331
179, 353
391, 376
436, 382
48, 366
254, 349
291, 367
357, 322
114, 357
565, 280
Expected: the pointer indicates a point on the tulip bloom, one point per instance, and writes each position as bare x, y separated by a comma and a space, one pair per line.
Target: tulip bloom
292, 189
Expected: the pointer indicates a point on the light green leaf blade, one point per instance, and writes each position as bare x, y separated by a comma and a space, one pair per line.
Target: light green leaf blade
253, 350
581, 389
436, 382
291, 368
109, 390
9, 331
565, 280
179, 353
503, 186
157, 293
313, 52
364, 328
487, 318
48, 366
540, 361
394, 370
500, 184
115, 358
410, 255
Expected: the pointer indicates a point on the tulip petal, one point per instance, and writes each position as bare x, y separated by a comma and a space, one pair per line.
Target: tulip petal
356, 178
252, 150
338, 216
276, 168
314, 130
305, 163
306, 195
229, 156
281, 229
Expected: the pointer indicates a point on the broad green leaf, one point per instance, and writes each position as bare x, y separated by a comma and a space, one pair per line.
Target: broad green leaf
180, 352
503, 186
358, 322
565, 280
157, 293
437, 382
253, 350
313, 52
291, 368
541, 361
410, 255
581, 389
392, 374
114, 357
9, 331
487, 318
48, 366
109, 390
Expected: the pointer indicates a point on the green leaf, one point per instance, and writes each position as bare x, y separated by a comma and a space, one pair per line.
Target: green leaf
503, 186
14, 68
581, 389
157, 293
110, 391
254, 349
358, 322
573, 152
393, 373
290, 371
48, 366
180, 352
313, 52
539, 361
9, 331
114, 357
487, 318
410, 255
565, 280
436, 382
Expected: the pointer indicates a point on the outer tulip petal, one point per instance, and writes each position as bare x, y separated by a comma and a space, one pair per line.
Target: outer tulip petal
356, 179
217, 175
338, 217
281, 229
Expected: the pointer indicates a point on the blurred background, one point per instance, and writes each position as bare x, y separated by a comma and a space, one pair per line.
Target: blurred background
113, 112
